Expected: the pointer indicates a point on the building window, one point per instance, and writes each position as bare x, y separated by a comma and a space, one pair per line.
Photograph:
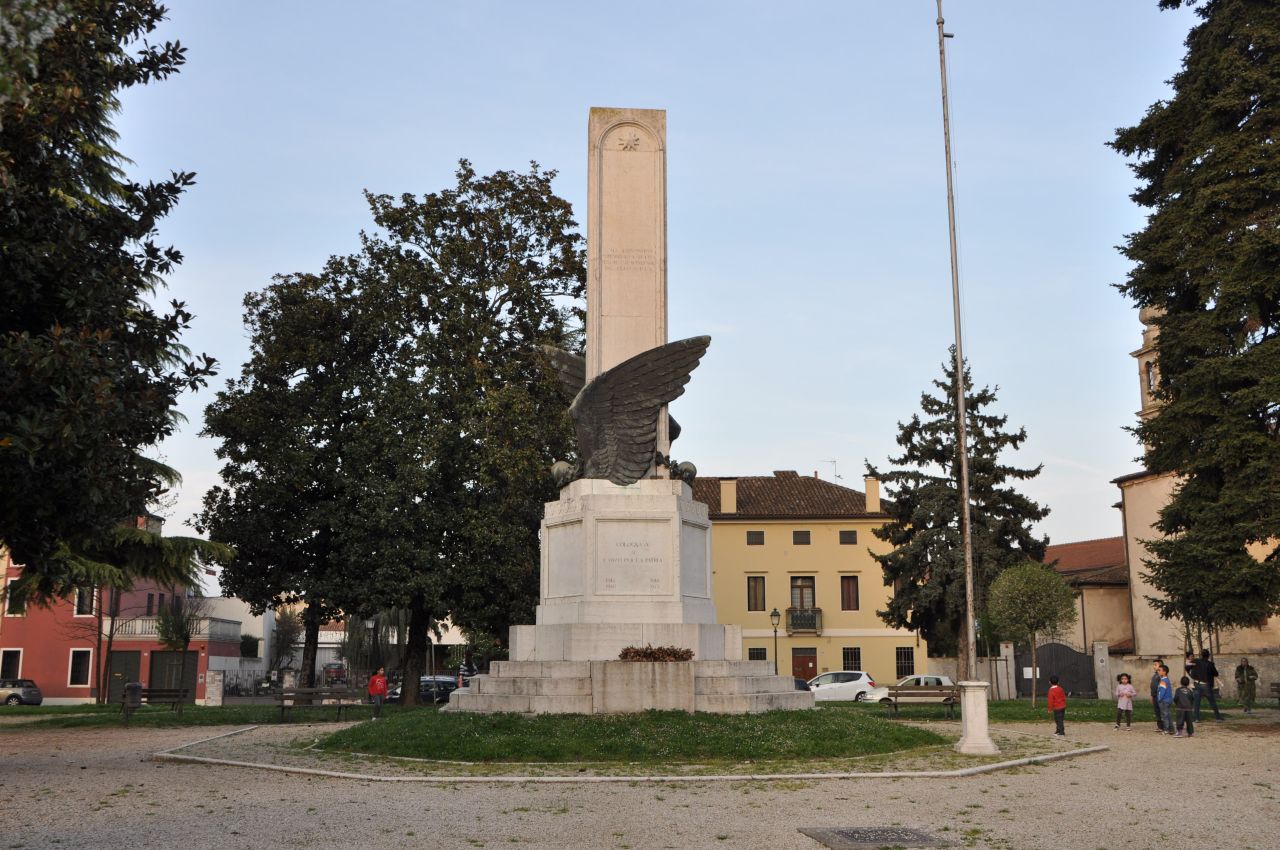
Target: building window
10, 663
1150, 369
906, 657
757, 653
84, 601
799, 538
159, 602
848, 537
755, 538
151, 604
802, 592
849, 593
115, 602
851, 656
13, 607
755, 593
79, 677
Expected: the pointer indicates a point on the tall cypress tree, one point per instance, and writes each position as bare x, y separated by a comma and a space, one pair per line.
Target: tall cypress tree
926, 565
1207, 265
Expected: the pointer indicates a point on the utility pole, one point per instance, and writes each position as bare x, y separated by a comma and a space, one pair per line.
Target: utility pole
975, 737
970, 666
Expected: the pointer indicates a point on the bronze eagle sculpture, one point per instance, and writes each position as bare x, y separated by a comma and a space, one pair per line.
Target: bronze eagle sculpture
615, 416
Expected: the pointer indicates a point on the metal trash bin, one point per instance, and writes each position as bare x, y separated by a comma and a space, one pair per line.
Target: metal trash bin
132, 699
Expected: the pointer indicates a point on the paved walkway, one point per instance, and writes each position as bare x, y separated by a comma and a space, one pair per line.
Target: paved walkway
101, 788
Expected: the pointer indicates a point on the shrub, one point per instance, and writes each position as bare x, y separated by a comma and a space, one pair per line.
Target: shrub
655, 653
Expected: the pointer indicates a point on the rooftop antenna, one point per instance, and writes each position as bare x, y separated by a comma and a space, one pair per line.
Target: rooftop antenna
835, 474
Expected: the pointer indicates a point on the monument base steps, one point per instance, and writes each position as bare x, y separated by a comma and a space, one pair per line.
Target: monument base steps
623, 687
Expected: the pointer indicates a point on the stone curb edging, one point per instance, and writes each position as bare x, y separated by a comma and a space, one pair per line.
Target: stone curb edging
172, 755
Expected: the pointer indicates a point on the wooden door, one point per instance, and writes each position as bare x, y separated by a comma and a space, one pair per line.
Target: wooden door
804, 662
125, 667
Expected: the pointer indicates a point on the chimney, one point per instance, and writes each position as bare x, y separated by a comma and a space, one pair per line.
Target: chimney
728, 495
872, 486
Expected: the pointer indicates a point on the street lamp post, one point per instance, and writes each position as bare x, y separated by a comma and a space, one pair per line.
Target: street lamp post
775, 618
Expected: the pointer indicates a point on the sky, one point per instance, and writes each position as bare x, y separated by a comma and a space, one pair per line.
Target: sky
807, 223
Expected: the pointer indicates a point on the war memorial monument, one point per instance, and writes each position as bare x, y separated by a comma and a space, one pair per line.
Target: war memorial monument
626, 551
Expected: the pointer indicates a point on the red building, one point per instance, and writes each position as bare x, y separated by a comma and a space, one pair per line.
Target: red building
62, 646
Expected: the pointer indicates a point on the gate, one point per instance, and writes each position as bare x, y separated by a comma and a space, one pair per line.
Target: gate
166, 667
1073, 669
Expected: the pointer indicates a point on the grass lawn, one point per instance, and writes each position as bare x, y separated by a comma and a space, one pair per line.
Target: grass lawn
68, 716
659, 737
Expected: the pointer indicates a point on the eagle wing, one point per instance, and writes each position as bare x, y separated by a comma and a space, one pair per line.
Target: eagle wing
616, 415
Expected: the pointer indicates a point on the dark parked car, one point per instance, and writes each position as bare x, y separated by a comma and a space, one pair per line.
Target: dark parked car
802, 685
20, 692
430, 689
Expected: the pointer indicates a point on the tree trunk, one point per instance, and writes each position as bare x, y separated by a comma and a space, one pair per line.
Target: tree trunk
415, 652
1035, 670
182, 677
310, 643
98, 672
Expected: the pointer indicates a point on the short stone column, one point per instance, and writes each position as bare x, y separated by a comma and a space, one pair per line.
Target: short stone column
213, 687
975, 737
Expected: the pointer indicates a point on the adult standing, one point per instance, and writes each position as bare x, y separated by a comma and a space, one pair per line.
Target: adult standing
1155, 692
378, 691
1247, 684
1205, 674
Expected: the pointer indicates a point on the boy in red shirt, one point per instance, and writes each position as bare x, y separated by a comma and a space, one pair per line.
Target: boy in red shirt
378, 690
1057, 703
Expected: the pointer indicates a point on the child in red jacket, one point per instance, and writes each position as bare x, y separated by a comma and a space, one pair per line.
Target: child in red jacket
1057, 703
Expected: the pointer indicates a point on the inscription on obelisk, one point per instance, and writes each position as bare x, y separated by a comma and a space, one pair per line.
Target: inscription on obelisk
626, 239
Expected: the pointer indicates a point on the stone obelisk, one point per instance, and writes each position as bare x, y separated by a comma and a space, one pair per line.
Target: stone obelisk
626, 239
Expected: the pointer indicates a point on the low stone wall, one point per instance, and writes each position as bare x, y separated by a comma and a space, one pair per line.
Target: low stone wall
1139, 669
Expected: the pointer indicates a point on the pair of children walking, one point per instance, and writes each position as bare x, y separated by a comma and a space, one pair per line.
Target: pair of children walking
1168, 700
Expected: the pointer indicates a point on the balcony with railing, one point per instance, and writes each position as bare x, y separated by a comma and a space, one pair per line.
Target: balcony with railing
207, 629
804, 621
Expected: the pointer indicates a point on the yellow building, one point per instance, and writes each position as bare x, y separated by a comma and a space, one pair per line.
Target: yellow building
802, 546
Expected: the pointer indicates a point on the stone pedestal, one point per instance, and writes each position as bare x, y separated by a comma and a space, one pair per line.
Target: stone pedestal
975, 736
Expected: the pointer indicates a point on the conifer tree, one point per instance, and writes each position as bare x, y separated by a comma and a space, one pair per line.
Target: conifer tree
926, 565
1207, 268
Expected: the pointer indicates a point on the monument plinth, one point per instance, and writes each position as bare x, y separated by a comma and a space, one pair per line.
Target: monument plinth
626, 551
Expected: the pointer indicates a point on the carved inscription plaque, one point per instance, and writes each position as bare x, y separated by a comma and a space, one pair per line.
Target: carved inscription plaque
633, 557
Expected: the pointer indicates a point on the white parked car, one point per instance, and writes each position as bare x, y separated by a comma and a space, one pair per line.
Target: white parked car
841, 685
882, 694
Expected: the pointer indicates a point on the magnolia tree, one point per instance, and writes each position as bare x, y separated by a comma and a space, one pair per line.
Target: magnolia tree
1030, 601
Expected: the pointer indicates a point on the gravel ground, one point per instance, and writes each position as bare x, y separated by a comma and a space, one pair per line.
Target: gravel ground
101, 788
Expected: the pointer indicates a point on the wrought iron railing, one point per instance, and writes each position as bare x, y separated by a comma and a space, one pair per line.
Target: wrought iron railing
208, 628
804, 620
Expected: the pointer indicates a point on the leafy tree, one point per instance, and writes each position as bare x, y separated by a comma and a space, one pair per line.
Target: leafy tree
1029, 601
387, 444
926, 565
1204, 267
285, 426
176, 625
89, 370
285, 638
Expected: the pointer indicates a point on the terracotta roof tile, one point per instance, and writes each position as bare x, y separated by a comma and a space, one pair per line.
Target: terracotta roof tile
783, 495
1099, 561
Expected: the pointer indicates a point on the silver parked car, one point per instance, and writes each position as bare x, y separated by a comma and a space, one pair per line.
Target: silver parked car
841, 685
20, 692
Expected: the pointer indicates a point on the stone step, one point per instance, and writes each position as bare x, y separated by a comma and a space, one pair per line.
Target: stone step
461, 700
532, 686
732, 668
753, 703
541, 669
742, 684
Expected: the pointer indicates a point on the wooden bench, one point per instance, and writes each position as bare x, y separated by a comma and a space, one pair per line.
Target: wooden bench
339, 698
152, 696
948, 695
1275, 690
